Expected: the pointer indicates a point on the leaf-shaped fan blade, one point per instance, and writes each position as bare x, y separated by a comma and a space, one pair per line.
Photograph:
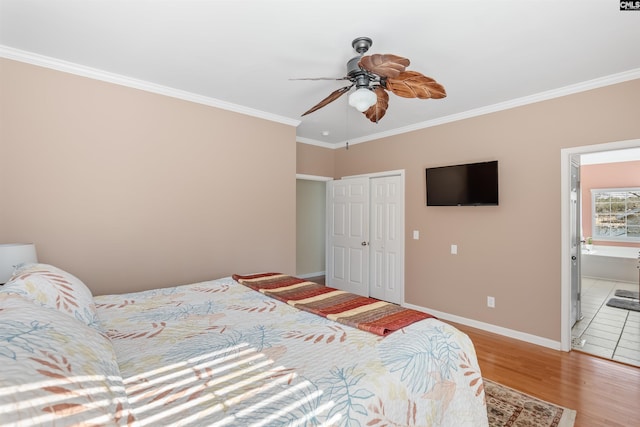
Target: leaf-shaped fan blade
411, 84
378, 110
329, 99
384, 65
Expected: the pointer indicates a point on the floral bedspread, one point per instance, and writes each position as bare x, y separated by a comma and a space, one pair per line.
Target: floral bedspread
220, 354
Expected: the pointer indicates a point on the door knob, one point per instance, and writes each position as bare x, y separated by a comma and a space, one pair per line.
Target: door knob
364, 243
574, 257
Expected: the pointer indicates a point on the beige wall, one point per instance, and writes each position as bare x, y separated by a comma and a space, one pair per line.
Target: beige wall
310, 227
131, 190
314, 160
511, 251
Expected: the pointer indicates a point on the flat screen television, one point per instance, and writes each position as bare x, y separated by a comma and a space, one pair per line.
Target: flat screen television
472, 184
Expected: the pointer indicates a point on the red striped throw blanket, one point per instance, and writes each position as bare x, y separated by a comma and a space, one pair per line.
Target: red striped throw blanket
368, 314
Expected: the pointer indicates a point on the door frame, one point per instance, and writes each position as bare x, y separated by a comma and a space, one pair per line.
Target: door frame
401, 218
565, 238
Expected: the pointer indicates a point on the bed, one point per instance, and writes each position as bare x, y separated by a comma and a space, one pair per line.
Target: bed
219, 353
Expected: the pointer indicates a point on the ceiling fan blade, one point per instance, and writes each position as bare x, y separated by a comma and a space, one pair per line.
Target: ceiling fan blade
378, 110
321, 78
329, 99
411, 84
386, 65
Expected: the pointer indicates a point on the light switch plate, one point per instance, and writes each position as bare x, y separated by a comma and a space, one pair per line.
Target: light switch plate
416, 234
454, 249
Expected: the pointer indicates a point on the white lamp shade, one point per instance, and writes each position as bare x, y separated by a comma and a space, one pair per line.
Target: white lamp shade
14, 254
362, 99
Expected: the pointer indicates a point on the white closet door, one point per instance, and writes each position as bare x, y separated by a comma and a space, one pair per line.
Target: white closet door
348, 235
386, 240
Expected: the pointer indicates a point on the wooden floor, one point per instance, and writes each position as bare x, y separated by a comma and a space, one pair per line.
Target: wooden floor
605, 393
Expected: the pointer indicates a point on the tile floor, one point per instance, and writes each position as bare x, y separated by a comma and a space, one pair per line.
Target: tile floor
613, 333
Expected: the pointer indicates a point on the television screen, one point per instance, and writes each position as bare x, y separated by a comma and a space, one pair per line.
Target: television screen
473, 184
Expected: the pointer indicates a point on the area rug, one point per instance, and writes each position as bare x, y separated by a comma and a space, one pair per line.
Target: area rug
507, 407
627, 304
626, 294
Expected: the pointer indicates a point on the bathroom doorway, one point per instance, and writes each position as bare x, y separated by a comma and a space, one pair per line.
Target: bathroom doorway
607, 262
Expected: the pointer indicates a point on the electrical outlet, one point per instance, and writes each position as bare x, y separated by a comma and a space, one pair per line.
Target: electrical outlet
491, 302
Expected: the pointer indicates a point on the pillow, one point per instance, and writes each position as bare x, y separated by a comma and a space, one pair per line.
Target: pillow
52, 287
56, 371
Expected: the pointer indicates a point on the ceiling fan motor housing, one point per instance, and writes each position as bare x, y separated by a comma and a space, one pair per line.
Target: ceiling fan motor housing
356, 74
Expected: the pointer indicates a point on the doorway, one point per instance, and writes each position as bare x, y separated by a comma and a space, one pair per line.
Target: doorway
604, 321
602, 330
310, 225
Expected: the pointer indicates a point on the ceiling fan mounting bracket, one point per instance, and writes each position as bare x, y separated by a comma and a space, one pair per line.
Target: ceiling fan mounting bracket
362, 44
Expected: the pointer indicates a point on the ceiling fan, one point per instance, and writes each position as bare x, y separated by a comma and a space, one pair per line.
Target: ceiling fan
373, 75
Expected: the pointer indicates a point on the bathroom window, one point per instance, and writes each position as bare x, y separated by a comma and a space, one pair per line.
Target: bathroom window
616, 214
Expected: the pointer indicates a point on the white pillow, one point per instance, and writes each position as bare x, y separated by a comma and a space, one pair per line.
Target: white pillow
56, 371
52, 287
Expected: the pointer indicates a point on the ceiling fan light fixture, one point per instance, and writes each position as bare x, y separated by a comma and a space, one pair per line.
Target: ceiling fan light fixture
362, 99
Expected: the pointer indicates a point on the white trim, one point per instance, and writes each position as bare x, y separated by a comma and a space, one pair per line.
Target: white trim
105, 76
310, 141
306, 276
403, 228
565, 227
501, 106
313, 177
533, 339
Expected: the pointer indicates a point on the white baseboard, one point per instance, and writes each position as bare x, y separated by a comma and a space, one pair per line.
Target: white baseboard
522, 336
307, 275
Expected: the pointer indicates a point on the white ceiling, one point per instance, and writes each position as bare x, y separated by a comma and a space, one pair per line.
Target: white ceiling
614, 156
241, 55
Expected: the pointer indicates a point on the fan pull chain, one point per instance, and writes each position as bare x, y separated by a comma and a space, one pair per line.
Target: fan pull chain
346, 125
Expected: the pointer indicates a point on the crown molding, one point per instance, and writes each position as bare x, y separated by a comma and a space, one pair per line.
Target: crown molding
518, 102
310, 141
313, 177
93, 73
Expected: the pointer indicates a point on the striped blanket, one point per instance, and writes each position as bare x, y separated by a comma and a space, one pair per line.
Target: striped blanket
367, 314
